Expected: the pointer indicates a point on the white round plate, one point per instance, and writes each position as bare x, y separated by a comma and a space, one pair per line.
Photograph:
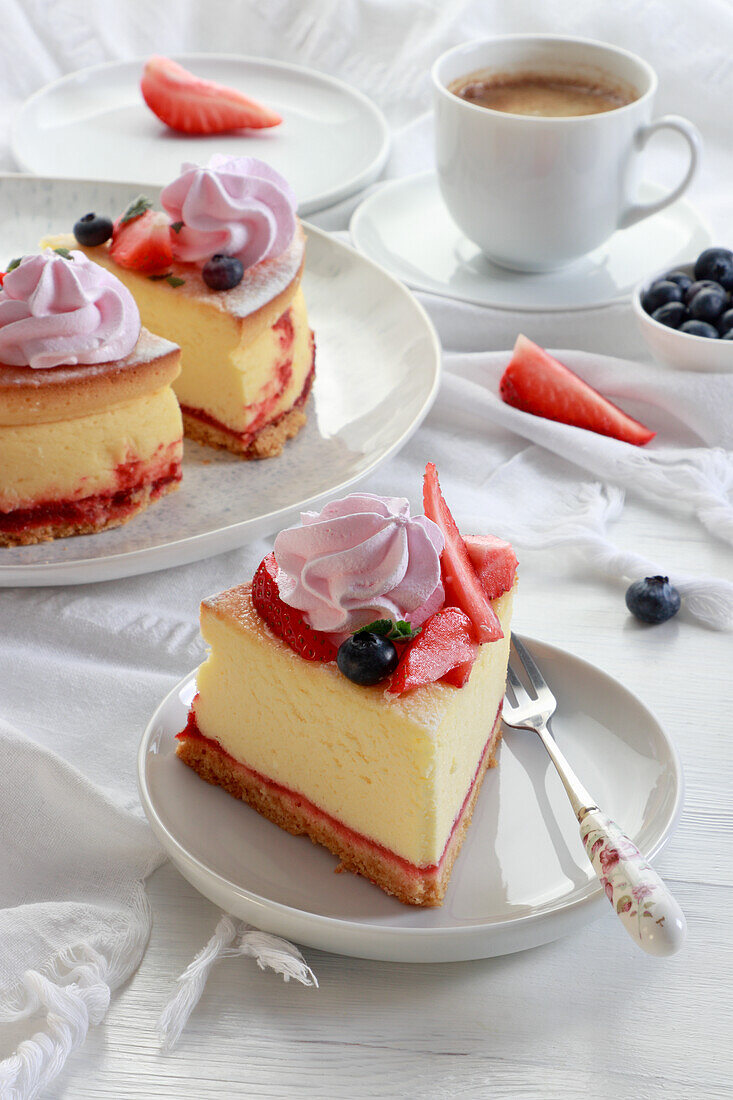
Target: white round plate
521, 878
377, 374
332, 141
405, 226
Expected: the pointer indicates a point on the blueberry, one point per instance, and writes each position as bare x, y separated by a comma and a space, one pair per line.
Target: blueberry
683, 281
659, 293
222, 272
367, 658
701, 284
727, 335
717, 264
92, 230
699, 328
672, 314
653, 600
708, 304
725, 322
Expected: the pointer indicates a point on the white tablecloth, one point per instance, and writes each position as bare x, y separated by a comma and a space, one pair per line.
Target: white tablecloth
82, 668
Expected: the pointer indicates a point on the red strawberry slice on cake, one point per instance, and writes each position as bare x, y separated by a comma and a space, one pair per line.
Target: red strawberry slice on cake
143, 242
495, 562
462, 584
287, 622
536, 383
445, 642
194, 106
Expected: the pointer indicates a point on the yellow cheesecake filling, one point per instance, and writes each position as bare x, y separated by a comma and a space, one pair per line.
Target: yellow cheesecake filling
255, 383
118, 448
394, 769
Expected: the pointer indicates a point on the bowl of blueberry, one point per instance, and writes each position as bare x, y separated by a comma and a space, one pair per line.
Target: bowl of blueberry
686, 313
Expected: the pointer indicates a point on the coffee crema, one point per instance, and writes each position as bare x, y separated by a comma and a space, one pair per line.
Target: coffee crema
540, 95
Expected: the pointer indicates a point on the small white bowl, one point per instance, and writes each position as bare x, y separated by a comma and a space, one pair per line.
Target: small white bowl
680, 350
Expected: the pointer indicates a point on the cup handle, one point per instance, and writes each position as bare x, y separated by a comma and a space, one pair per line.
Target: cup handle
691, 134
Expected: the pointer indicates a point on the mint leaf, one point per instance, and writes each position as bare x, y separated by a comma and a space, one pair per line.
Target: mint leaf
14, 263
379, 626
64, 252
396, 632
136, 209
176, 226
173, 280
157, 278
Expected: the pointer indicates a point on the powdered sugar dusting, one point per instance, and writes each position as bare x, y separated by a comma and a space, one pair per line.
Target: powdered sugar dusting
148, 348
260, 283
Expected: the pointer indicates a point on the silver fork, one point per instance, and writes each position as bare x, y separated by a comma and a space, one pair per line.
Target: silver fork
643, 903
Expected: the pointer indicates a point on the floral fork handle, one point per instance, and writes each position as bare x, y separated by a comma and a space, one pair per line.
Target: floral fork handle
640, 899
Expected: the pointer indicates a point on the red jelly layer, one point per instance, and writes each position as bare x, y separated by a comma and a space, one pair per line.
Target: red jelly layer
91, 509
350, 836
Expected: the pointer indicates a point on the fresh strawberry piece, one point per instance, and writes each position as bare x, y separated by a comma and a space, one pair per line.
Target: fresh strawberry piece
462, 585
536, 383
194, 106
445, 642
143, 243
287, 622
495, 562
458, 677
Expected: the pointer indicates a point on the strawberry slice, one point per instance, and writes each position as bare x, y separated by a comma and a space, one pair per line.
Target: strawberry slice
536, 383
462, 585
287, 622
445, 642
143, 243
495, 562
194, 106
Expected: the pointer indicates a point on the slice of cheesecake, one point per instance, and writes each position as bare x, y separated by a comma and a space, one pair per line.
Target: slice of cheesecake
84, 448
353, 691
387, 783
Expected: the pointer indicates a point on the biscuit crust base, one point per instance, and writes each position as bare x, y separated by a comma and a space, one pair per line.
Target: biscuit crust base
267, 443
424, 886
113, 512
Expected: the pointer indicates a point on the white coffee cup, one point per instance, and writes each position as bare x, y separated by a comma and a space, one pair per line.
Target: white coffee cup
535, 193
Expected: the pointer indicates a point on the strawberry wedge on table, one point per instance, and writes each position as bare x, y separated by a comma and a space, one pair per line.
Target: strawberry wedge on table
462, 584
194, 106
537, 383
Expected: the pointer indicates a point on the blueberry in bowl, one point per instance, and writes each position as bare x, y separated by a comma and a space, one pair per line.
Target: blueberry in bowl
685, 313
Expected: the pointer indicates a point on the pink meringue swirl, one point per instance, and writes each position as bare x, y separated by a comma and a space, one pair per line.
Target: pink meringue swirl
239, 206
359, 559
56, 312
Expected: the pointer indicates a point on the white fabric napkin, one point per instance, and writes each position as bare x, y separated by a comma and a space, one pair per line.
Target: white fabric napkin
82, 669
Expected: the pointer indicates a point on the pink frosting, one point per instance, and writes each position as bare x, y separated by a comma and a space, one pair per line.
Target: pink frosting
239, 206
361, 558
56, 312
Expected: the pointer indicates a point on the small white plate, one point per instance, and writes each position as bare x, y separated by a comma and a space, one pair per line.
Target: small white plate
521, 879
377, 374
405, 227
332, 142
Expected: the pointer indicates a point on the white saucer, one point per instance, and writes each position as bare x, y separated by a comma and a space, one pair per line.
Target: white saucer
377, 374
332, 142
521, 879
405, 226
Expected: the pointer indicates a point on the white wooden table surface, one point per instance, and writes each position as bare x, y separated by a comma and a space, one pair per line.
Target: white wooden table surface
589, 1016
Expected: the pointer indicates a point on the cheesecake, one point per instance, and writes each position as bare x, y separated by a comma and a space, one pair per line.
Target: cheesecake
90, 429
219, 273
353, 691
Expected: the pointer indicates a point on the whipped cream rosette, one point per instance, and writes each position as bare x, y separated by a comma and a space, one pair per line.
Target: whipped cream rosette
237, 206
359, 559
57, 311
